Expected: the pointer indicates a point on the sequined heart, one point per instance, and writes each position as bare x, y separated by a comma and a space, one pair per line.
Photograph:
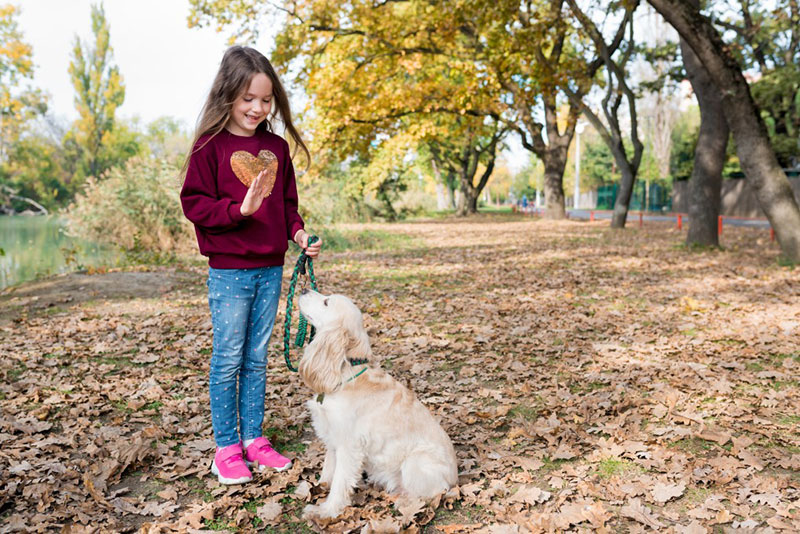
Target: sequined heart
247, 166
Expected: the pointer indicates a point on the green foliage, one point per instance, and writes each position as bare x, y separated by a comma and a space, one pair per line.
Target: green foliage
99, 91
166, 138
684, 141
777, 94
35, 170
135, 207
387, 187
597, 164
529, 179
764, 39
18, 103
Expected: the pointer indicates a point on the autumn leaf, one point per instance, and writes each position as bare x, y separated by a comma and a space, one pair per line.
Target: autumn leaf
268, 512
641, 514
666, 492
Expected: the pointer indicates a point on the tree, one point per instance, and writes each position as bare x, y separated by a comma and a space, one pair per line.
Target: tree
19, 104
617, 90
756, 155
366, 64
533, 51
767, 38
99, 91
709, 154
469, 144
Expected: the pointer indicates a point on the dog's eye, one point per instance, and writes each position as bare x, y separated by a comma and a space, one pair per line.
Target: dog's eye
325, 302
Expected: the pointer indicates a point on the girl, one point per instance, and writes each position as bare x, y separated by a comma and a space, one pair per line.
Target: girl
239, 190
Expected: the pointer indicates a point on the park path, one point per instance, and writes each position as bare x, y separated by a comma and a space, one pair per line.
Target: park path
591, 381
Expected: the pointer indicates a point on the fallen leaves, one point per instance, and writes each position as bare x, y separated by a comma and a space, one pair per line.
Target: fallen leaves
591, 382
663, 493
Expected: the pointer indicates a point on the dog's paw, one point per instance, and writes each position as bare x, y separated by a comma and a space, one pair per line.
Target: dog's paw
311, 510
322, 511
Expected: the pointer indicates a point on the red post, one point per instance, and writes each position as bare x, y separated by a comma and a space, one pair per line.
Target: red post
771, 233
591, 216
641, 223
680, 222
719, 226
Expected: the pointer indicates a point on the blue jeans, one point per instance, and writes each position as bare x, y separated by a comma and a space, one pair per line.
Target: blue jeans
243, 305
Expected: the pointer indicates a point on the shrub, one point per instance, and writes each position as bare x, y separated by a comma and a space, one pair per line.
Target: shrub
135, 207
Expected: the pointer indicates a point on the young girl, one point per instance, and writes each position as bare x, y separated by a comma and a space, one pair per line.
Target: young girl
239, 190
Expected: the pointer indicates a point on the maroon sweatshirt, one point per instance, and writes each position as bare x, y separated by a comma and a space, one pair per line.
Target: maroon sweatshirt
212, 195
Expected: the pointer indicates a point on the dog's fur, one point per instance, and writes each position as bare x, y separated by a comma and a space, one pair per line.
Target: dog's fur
369, 423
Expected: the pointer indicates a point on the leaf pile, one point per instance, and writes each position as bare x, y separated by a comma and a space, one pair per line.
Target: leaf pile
590, 380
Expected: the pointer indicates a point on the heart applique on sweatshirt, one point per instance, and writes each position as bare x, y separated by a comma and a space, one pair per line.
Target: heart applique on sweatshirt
247, 166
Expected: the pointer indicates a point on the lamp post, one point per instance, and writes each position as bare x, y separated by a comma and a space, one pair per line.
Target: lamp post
577, 192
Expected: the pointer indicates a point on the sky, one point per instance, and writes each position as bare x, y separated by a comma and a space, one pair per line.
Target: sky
167, 68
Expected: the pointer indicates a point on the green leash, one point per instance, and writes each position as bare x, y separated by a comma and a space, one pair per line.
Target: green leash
303, 262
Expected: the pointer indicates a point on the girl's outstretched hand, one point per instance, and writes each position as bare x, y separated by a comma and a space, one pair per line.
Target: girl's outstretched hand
301, 238
255, 194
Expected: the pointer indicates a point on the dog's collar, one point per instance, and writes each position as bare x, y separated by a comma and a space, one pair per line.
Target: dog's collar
359, 362
321, 396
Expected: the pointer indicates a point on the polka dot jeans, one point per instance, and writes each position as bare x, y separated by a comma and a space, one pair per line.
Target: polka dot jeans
243, 305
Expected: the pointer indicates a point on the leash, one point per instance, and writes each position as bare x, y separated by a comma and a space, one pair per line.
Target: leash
304, 263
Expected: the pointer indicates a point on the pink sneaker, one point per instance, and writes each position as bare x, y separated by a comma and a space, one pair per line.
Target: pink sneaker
229, 465
261, 455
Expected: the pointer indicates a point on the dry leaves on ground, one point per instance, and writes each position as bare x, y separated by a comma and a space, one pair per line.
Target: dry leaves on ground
590, 380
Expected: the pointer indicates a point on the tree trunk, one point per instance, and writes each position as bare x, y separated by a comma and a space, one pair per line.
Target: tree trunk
555, 161
467, 202
756, 155
627, 179
709, 155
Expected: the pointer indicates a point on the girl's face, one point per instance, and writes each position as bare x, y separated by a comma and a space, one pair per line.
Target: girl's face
251, 107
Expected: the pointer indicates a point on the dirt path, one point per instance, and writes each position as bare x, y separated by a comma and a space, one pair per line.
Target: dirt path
590, 380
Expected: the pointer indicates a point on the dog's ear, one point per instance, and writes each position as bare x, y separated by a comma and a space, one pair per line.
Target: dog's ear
358, 347
324, 359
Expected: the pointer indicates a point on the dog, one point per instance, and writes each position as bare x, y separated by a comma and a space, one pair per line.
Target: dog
367, 420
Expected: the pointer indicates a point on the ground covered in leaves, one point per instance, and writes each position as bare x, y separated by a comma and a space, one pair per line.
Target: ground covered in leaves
591, 381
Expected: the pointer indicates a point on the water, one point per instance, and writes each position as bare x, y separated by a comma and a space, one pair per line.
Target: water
33, 247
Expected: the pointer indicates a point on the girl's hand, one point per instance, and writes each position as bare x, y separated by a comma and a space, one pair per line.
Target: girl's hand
301, 238
255, 194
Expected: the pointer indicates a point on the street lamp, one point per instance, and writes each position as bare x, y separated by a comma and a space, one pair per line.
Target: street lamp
577, 193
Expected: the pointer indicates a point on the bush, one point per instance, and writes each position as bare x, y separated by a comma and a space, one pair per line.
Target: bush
135, 207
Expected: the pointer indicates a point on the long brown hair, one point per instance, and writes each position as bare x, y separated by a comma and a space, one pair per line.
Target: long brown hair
239, 65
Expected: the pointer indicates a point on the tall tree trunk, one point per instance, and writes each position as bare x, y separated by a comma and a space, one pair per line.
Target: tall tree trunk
626, 181
468, 204
617, 91
555, 161
756, 155
709, 155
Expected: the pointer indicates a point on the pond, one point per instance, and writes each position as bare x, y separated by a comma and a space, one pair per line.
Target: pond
31, 247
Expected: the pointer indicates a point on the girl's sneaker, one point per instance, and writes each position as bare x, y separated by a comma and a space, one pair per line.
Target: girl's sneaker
261, 455
229, 465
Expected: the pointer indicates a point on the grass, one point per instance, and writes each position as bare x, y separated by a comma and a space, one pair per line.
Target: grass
615, 466
288, 439
198, 487
343, 239
155, 405
693, 445
789, 420
219, 524
457, 515
529, 413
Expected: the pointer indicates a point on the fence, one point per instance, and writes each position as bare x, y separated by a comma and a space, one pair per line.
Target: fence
660, 199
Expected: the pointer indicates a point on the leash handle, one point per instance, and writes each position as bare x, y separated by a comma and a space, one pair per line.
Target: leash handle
304, 265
